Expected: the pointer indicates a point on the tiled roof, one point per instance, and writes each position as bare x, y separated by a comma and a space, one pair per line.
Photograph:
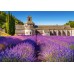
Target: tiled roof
54, 27
46, 27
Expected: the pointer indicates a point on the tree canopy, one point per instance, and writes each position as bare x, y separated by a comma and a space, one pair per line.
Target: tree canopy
10, 24
3, 19
71, 23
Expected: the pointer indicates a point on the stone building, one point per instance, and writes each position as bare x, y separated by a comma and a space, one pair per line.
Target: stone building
29, 28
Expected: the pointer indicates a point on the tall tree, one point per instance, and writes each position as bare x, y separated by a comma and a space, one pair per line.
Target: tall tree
10, 24
7, 23
2, 18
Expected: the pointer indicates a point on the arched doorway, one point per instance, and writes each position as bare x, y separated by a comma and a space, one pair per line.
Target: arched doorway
54, 33
68, 33
63, 33
59, 33
51, 33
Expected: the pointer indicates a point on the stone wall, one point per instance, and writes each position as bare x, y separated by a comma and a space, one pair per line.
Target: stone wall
19, 31
72, 31
28, 30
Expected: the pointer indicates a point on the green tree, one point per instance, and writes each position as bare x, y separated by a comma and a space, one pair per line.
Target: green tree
10, 24
7, 23
71, 23
2, 18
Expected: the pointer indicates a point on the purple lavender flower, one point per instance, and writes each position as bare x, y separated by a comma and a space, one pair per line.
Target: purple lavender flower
37, 48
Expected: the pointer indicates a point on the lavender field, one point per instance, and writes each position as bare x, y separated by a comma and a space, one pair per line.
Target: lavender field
37, 48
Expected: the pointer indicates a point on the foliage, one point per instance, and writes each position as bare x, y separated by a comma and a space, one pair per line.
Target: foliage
71, 23
18, 21
3, 19
10, 24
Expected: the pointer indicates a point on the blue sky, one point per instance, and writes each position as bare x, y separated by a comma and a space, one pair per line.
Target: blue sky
45, 17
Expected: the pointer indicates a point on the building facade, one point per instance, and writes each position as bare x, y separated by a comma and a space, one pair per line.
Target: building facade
29, 28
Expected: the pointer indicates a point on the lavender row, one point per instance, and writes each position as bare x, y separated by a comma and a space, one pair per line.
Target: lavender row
37, 48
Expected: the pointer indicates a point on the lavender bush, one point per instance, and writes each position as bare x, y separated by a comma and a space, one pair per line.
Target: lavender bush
52, 49
37, 48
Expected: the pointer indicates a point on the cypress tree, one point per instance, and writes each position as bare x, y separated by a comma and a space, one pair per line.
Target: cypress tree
7, 24
10, 24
